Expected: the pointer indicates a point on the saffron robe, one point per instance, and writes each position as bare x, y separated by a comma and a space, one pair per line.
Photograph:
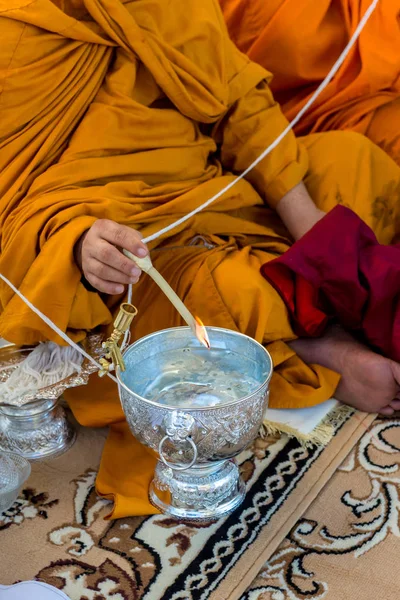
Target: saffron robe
137, 112
300, 41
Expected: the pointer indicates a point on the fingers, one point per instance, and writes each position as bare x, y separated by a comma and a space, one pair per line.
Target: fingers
103, 253
395, 404
106, 287
105, 267
106, 273
387, 411
121, 236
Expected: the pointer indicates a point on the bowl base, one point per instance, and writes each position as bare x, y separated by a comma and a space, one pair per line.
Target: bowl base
37, 430
202, 493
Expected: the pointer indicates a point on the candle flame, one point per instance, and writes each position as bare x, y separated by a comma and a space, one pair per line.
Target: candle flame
201, 333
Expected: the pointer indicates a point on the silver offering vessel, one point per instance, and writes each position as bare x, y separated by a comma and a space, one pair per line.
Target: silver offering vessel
36, 425
197, 408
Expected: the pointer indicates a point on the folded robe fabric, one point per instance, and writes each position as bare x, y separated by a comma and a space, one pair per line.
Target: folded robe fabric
338, 270
299, 42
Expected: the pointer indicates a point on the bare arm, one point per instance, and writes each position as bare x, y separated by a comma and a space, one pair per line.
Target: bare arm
298, 211
252, 123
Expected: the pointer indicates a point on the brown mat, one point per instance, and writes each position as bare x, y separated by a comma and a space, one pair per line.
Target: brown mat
56, 532
345, 546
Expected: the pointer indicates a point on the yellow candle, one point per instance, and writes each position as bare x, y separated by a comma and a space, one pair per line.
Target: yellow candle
146, 265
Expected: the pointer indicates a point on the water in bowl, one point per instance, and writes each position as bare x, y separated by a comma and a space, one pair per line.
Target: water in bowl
195, 377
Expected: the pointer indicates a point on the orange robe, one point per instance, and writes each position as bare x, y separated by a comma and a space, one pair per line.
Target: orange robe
111, 109
299, 41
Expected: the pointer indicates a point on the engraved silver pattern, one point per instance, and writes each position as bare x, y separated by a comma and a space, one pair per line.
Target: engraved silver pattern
212, 487
36, 426
38, 436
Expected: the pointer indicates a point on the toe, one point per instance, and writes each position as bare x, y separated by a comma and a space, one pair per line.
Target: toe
395, 404
387, 411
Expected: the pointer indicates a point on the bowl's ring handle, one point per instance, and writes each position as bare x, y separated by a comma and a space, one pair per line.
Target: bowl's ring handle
179, 427
172, 465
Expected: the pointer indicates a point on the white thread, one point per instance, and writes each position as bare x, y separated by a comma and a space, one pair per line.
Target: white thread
54, 327
46, 365
273, 145
280, 137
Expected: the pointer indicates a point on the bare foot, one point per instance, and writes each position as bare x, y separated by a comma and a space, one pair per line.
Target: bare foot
369, 382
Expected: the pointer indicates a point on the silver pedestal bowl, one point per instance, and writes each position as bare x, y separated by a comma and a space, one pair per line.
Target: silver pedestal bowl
36, 425
198, 409
36, 430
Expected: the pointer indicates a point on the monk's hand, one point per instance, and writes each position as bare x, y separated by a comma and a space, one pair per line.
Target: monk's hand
298, 211
99, 256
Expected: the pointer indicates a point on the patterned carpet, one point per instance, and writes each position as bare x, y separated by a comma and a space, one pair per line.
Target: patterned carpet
306, 532
346, 544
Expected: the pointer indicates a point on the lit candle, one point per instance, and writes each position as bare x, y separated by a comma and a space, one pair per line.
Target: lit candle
146, 265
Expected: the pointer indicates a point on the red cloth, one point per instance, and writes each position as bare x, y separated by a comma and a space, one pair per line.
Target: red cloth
338, 271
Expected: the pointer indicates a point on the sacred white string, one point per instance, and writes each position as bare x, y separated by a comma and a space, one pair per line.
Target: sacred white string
280, 137
183, 219
54, 327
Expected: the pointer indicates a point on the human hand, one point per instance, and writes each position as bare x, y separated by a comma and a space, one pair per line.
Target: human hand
99, 257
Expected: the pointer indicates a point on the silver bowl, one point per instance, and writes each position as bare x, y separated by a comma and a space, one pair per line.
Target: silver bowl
198, 409
36, 426
14, 471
